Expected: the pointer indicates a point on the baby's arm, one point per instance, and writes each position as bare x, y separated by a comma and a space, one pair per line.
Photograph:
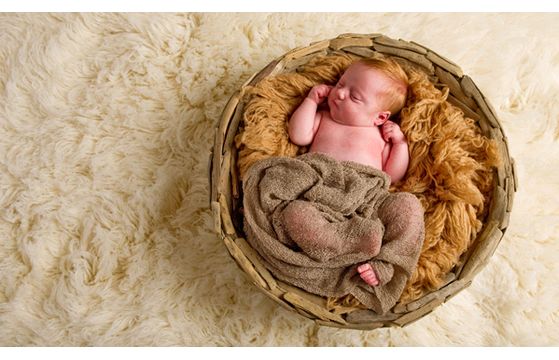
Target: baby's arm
399, 158
305, 120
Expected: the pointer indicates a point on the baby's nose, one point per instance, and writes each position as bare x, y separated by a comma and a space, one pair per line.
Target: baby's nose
341, 95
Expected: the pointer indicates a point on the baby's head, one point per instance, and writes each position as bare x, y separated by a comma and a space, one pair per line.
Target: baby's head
394, 96
369, 91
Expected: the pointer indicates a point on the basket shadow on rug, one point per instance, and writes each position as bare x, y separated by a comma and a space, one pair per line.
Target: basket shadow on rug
460, 170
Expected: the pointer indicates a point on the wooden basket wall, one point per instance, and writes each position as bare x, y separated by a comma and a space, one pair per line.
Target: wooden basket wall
225, 184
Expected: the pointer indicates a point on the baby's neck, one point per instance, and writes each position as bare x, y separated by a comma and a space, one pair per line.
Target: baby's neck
369, 126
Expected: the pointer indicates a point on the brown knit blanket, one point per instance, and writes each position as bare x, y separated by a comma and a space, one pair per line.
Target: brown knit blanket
313, 220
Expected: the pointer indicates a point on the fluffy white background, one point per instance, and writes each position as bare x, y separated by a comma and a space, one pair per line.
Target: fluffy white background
105, 129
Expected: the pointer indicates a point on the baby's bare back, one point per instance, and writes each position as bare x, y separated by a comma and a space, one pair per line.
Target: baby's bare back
364, 145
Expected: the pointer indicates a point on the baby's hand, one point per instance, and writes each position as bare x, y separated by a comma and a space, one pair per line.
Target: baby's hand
392, 132
319, 93
368, 274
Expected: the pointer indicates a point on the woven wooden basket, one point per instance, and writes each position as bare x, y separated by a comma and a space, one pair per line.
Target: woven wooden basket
225, 184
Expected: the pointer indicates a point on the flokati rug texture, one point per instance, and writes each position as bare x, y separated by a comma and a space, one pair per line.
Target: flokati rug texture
106, 124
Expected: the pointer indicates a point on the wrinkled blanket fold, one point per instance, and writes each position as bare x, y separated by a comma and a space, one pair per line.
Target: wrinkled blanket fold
313, 220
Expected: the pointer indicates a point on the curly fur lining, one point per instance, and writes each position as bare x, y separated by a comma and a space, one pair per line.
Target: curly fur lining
450, 167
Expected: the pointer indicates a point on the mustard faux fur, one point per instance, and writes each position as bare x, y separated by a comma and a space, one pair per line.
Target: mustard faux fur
451, 162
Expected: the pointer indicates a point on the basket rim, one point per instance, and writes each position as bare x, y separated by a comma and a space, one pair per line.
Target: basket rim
464, 93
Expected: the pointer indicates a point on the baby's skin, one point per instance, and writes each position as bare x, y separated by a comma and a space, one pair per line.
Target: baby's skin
349, 123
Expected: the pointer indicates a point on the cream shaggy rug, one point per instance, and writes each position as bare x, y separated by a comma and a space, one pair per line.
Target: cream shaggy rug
105, 129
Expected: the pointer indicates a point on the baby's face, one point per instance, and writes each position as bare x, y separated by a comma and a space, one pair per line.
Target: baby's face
355, 98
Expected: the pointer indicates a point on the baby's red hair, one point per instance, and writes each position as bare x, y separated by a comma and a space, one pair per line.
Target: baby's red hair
395, 96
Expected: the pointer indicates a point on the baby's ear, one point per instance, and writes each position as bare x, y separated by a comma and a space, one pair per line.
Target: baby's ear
381, 118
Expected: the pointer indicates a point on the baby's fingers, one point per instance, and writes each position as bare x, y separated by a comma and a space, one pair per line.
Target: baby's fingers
324, 90
370, 278
387, 134
364, 267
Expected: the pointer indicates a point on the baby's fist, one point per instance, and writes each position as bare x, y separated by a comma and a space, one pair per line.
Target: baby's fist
368, 274
392, 132
319, 92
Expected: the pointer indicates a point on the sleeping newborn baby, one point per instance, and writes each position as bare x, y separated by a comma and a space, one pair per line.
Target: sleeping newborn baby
325, 221
350, 122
